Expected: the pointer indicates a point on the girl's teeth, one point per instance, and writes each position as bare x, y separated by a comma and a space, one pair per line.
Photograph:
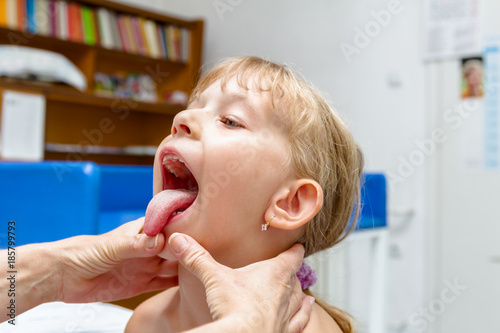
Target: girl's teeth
170, 162
167, 158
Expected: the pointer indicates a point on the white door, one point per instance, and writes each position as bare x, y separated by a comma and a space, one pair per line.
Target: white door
464, 233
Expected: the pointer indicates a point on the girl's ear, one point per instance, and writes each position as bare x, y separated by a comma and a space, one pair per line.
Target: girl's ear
294, 205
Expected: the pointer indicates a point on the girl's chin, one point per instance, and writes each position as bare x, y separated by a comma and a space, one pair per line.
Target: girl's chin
166, 253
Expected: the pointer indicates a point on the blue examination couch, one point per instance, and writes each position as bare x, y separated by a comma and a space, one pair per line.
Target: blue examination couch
52, 200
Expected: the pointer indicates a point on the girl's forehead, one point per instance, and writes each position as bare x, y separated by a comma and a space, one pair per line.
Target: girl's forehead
232, 89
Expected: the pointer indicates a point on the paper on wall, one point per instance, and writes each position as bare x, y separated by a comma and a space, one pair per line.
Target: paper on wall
491, 122
480, 131
23, 126
452, 29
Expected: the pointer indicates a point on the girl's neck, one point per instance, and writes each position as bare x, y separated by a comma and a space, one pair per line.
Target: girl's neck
193, 308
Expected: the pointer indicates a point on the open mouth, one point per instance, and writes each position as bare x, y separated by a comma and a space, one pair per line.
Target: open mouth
180, 190
176, 174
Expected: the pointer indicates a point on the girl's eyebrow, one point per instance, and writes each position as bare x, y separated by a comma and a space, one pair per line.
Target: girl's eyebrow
242, 98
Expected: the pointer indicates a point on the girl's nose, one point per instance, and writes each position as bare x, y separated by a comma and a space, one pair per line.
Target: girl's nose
186, 124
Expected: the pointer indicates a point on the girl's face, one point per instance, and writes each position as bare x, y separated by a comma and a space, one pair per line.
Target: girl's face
235, 155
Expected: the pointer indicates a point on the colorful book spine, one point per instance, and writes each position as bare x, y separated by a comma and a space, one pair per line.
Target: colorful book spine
21, 15
3, 13
11, 14
177, 44
137, 35
77, 18
185, 44
105, 31
30, 16
165, 38
42, 19
88, 26
129, 34
171, 42
52, 17
62, 20
161, 41
123, 34
71, 21
97, 36
150, 30
115, 31
142, 29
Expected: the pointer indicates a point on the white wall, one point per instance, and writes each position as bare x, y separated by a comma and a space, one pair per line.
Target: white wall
380, 94
465, 225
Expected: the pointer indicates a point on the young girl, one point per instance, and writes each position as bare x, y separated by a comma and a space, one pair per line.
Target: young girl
258, 161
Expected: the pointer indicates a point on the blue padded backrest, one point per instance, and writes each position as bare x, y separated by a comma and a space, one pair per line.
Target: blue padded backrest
48, 200
373, 201
124, 194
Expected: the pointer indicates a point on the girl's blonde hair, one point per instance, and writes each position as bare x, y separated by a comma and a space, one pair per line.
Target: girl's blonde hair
321, 148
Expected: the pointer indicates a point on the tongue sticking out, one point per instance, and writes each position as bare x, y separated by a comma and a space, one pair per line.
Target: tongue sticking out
163, 205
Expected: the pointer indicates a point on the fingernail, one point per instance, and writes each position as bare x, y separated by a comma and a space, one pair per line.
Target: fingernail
311, 300
178, 243
151, 242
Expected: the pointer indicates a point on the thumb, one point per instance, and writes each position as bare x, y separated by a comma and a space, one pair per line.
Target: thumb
138, 246
293, 257
193, 257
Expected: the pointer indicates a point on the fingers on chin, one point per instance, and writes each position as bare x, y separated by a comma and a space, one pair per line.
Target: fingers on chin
168, 268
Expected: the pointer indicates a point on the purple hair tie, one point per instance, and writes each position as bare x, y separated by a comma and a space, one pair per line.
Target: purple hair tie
307, 276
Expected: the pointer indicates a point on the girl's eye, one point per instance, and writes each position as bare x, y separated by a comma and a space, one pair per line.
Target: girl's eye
229, 122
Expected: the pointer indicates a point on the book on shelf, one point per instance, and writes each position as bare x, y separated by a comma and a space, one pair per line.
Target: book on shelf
21, 15
52, 12
152, 38
142, 31
10, 13
95, 25
62, 20
3, 13
89, 36
41, 23
116, 39
30, 14
161, 38
129, 34
137, 36
105, 30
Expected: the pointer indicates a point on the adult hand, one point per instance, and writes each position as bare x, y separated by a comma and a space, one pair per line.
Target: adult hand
264, 296
119, 264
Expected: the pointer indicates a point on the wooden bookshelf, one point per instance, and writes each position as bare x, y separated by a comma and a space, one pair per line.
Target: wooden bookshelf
71, 113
